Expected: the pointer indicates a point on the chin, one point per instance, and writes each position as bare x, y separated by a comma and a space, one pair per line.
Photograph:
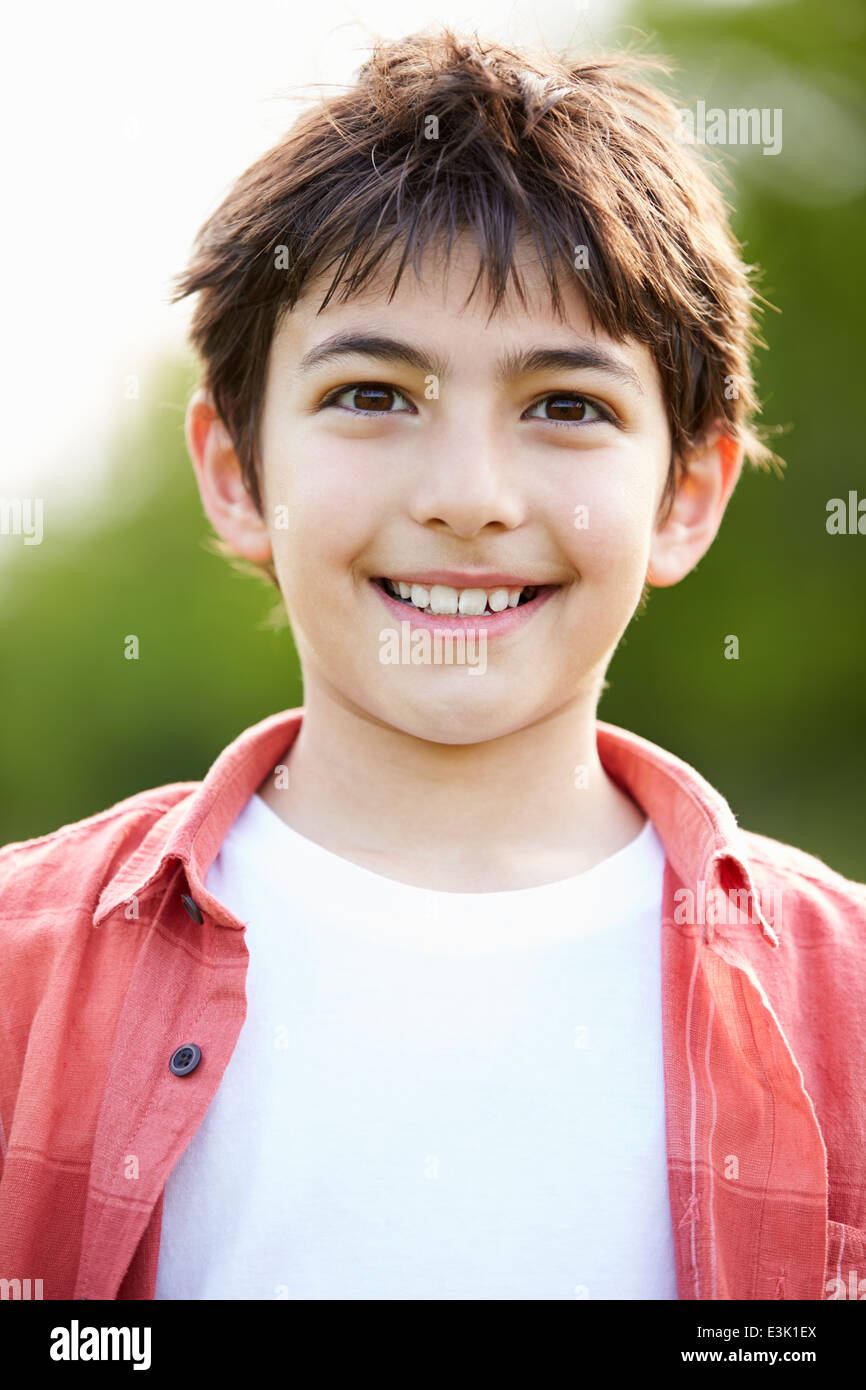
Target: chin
467, 710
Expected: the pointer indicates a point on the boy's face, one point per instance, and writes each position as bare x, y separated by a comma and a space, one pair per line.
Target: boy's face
477, 469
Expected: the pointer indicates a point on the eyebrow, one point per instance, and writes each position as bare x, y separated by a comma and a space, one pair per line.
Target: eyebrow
511, 364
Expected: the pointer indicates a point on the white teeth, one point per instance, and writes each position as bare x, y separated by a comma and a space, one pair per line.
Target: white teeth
443, 599
472, 602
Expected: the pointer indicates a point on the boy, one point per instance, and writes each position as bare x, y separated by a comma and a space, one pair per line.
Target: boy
440, 988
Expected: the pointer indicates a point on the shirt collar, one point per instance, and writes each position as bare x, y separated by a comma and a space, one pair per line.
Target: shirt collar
701, 837
694, 822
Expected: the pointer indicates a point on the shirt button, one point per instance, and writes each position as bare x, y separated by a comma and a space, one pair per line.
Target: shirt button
185, 1060
191, 908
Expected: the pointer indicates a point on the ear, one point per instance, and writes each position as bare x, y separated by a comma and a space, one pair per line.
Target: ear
683, 537
229, 507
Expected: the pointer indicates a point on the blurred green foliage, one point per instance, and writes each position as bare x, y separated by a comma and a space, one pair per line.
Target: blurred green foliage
780, 731
83, 727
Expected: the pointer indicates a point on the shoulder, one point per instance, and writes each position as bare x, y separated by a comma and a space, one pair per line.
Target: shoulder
64, 871
813, 898
795, 864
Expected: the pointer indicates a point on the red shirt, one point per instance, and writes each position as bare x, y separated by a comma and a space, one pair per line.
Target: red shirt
107, 974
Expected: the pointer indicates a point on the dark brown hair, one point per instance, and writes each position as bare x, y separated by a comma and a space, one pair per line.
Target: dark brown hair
569, 151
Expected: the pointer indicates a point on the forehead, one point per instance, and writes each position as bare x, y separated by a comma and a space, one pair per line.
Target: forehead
446, 307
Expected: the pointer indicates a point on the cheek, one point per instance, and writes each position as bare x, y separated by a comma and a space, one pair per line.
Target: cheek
606, 533
331, 511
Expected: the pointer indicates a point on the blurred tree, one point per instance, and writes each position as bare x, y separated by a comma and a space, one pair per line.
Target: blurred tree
83, 726
782, 730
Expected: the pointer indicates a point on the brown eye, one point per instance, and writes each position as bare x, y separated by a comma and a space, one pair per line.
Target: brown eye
566, 408
369, 398
373, 397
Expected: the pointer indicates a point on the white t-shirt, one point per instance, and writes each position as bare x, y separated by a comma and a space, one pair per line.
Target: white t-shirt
434, 1095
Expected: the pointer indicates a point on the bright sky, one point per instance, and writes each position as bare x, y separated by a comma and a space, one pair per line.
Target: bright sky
124, 127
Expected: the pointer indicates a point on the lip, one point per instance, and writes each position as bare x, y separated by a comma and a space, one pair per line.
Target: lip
492, 624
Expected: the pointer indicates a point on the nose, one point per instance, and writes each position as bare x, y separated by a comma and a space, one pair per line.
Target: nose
466, 481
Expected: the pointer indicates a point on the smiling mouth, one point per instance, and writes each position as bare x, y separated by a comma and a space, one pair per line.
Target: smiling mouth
445, 601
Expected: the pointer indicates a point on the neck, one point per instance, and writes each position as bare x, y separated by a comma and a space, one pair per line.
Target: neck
529, 807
